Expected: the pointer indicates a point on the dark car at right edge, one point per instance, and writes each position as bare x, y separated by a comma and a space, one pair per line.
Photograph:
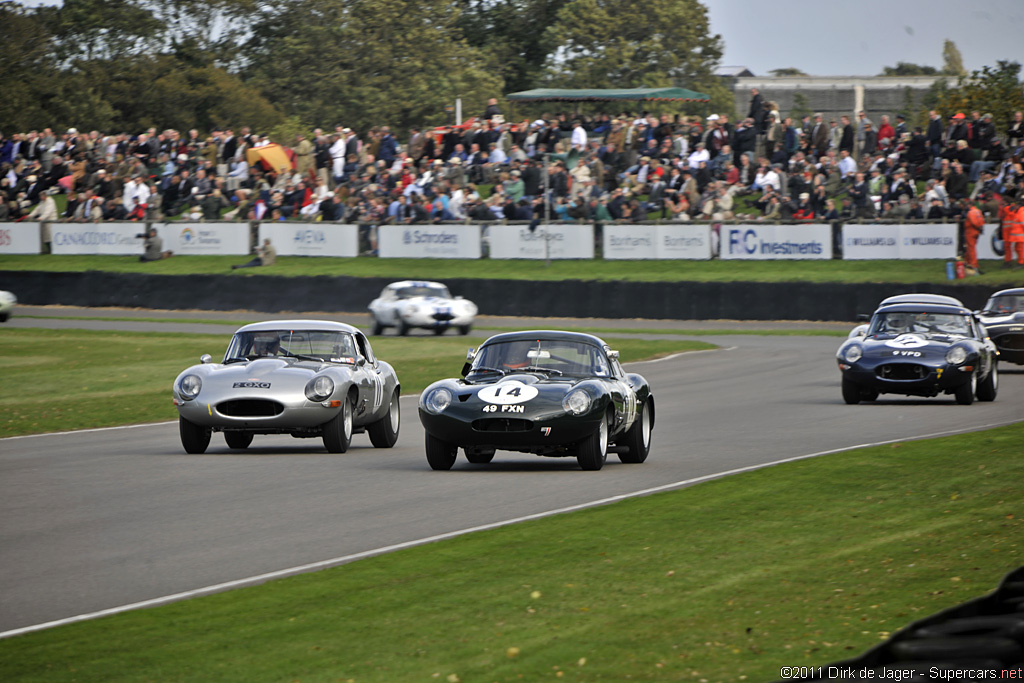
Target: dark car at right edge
920, 349
1003, 317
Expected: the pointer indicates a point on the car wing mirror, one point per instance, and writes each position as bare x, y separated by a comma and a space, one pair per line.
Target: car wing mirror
470, 356
614, 355
863, 317
205, 358
360, 362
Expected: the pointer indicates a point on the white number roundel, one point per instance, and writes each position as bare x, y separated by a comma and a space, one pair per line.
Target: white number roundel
507, 393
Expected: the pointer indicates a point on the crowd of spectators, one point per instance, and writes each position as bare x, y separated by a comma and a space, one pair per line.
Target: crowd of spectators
631, 168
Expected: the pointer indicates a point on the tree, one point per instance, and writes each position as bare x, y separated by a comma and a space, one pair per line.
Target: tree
513, 33
788, 71
952, 60
908, 69
367, 62
997, 91
26, 67
619, 44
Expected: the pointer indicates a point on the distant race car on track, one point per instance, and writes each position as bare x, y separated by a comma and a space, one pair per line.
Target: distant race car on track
920, 349
560, 394
307, 378
1003, 317
7, 303
410, 303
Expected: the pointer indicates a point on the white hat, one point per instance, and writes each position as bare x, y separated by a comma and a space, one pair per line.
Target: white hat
72, 131
455, 160
713, 117
804, 195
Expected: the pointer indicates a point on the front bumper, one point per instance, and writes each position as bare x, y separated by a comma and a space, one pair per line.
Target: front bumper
546, 431
257, 412
907, 378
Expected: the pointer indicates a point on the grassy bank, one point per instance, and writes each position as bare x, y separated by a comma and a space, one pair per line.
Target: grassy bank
639, 271
800, 564
58, 380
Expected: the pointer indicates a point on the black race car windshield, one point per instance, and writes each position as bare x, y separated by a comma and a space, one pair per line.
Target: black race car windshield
896, 323
551, 357
423, 290
327, 345
1005, 304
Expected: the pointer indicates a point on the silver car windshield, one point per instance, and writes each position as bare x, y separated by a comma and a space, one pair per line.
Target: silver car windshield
554, 357
1005, 304
326, 345
411, 292
900, 322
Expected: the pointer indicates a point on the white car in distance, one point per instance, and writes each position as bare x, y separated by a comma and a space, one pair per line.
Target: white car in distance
410, 304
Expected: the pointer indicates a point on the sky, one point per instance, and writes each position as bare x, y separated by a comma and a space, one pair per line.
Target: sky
861, 37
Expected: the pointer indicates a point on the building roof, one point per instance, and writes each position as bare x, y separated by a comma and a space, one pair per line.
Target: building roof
604, 94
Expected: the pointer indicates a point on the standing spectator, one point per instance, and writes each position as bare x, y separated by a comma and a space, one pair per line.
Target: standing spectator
886, 134
819, 136
304, 156
1015, 131
974, 223
388, 146
847, 139
935, 136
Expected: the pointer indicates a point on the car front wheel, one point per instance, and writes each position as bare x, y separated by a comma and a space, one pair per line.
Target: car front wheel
593, 450
440, 454
338, 430
988, 388
384, 432
194, 438
238, 440
965, 392
851, 392
638, 438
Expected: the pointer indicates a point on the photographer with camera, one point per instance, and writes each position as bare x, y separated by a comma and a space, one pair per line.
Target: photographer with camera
153, 246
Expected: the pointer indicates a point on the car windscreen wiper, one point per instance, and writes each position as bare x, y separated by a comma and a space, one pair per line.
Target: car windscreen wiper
537, 368
482, 368
235, 359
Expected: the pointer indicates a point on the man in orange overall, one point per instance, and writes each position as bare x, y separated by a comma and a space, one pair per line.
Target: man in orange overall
974, 223
1013, 232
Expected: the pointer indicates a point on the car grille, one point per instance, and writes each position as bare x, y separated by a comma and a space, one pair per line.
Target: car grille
502, 424
1010, 342
250, 408
904, 371
441, 317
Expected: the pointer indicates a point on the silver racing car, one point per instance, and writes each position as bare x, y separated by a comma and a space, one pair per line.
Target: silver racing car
307, 378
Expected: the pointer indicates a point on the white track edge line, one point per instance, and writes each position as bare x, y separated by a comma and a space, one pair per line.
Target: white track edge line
324, 564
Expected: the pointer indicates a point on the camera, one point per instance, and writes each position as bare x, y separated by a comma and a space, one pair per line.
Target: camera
141, 235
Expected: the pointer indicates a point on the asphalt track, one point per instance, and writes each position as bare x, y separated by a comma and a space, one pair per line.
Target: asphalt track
105, 519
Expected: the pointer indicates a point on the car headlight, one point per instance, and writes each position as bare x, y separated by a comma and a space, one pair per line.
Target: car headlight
853, 353
437, 401
576, 402
956, 355
319, 388
189, 386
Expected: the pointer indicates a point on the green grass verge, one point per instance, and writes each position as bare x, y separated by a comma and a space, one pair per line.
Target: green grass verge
799, 564
58, 380
904, 272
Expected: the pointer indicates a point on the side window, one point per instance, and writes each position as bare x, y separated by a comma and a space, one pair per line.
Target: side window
364, 348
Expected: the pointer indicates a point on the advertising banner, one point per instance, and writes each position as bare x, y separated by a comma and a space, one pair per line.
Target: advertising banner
311, 239
921, 241
428, 241
114, 239
662, 241
990, 243
20, 238
776, 242
205, 238
563, 241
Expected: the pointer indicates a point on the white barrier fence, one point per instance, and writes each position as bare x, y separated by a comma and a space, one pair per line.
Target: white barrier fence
775, 242
429, 241
918, 241
19, 238
555, 241
659, 241
312, 239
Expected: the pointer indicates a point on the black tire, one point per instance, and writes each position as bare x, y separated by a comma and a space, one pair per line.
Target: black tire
480, 457
440, 455
378, 329
592, 451
338, 430
851, 392
403, 328
384, 432
965, 392
4, 317
952, 649
869, 395
998, 626
989, 387
439, 331
638, 438
238, 440
194, 438
464, 329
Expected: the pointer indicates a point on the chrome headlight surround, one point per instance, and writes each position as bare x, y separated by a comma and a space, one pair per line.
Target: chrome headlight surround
956, 355
319, 388
437, 401
853, 353
189, 387
576, 402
